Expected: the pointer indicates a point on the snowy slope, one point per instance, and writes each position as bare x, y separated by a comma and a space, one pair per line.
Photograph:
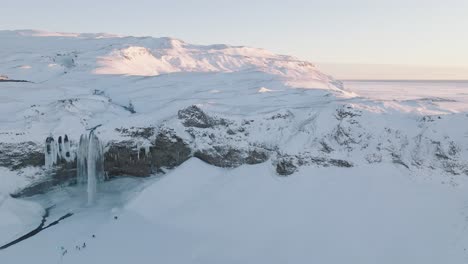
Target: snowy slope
376, 176
203, 214
39, 55
71, 67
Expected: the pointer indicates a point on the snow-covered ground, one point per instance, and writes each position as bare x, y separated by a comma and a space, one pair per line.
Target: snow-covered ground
403, 200
451, 96
202, 214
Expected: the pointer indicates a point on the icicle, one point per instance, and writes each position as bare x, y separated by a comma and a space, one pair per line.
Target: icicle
147, 150
66, 148
60, 147
82, 160
50, 152
56, 153
92, 181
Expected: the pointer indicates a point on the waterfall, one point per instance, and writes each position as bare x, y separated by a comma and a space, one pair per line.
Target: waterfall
95, 166
90, 164
82, 160
89, 157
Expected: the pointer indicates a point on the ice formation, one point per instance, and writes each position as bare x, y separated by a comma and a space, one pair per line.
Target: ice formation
66, 149
50, 152
60, 145
90, 160
90, 164
57, 151
82, 160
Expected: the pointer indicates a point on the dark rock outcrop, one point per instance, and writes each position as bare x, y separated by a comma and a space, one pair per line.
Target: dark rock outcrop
288, 164
169, 150
137, 132
21, 155
193, 116
218, 144
285, 167
256, 156
125, 158
221, 156
230, 157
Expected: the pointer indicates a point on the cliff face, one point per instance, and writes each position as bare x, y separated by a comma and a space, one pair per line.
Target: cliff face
341, 137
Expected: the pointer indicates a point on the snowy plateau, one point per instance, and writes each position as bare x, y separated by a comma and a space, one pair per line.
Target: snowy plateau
221, 154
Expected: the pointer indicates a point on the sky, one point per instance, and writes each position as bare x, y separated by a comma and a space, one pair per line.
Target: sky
343, 33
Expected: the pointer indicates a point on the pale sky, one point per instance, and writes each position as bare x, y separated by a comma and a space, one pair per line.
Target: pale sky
398, 32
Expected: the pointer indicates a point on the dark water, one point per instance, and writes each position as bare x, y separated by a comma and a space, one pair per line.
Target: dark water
38, 229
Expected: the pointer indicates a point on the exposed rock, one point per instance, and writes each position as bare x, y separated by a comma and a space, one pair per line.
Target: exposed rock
349, 133
282, 115
340, 163
230, 157
256, 156
325, 147
453, 149
218, 145
346, 112
137, 132
343, 136
285, 167
396, 158
169, 150
221, 156
125, 158
193, 116
288, 164
20, 155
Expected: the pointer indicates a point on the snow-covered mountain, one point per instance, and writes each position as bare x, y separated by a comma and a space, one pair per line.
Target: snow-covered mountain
360, 167
47, 55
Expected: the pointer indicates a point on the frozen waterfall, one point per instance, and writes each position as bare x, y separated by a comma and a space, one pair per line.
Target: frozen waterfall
82, 160
89, 156
56, 152
51, 154
90, 164
66, 147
